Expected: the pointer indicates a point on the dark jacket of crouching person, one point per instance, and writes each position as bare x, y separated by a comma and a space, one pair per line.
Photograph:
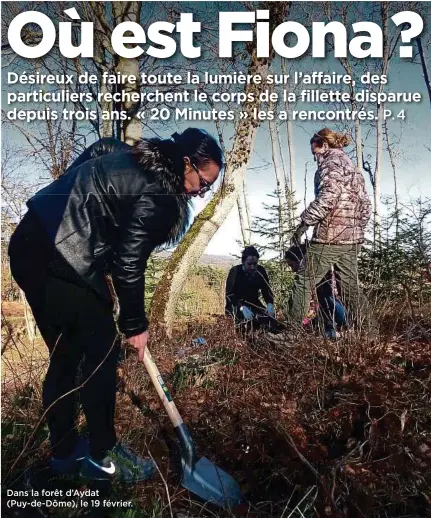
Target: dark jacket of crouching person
246, 284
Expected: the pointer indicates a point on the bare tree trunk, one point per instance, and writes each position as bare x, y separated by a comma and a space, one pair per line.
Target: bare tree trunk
99, 10
30, 322
379, 134
242, 201
169, 289
287, 191
242, 217
378, 171
247, 208
106, 106
289, 129
345, 62
244, 221
131, 130
358, 135
358, 140
394, 171
424, 66
281, 193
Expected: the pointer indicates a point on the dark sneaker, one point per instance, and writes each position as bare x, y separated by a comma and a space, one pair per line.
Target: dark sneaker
119, 464
72, 463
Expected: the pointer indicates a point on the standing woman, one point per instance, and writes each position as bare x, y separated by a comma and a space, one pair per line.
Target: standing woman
339, 214
104, 215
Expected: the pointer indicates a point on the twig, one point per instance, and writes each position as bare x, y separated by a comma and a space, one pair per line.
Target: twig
315, 473
300, 502
164, 482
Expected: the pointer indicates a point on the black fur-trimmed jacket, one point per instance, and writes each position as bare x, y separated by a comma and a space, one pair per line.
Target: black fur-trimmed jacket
106, 214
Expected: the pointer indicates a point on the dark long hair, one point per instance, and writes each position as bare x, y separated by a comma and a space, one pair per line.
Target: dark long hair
249, 251
165, 159
199, 146
168, 155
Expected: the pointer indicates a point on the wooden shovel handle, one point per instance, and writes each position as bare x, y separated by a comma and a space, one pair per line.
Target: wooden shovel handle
162, 389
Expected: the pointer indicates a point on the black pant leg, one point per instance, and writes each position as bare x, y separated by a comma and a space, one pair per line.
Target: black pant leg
29, 259
60, 396
76, 325
57, 323
101, 345
98, 395
89, 340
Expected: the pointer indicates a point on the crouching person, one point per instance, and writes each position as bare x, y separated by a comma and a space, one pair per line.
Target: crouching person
103, 215
246, 283
328, 309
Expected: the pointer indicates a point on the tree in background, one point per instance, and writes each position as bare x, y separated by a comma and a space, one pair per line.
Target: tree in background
281, 187
210, 220
290, 173
268, 234
399, 270
242, 201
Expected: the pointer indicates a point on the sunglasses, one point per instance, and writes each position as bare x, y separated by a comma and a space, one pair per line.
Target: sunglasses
204, 185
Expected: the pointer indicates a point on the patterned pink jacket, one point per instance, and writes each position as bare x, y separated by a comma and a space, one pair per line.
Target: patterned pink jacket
341, 208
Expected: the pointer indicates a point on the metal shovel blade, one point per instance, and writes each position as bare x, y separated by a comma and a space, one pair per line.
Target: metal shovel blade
202, 478
212, 484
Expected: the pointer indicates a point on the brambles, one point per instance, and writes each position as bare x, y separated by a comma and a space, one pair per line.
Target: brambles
319, 428
359, 416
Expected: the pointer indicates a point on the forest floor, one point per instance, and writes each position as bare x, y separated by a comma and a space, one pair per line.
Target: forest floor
314, 428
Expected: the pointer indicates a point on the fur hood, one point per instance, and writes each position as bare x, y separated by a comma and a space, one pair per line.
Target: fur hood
161, 158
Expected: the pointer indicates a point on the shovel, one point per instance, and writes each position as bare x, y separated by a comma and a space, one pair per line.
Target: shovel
201, 477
